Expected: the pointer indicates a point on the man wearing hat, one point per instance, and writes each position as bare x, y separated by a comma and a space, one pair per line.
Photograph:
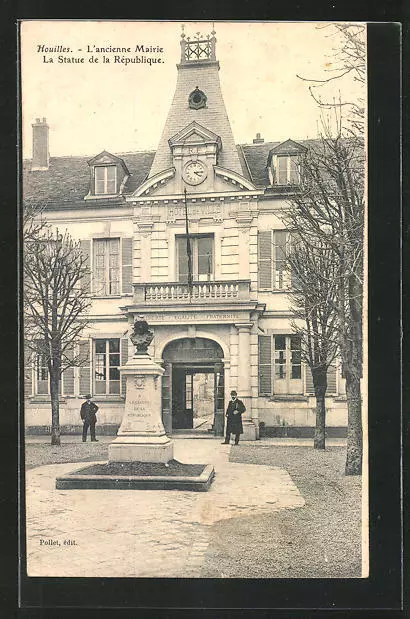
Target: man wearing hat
87, 413
234, 422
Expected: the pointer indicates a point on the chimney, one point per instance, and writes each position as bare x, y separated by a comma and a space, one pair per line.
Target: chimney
258, 139
40, 145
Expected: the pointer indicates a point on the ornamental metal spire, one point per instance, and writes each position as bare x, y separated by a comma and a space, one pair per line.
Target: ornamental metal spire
199, 48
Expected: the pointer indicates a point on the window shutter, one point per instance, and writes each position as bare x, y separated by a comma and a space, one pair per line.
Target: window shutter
265, 268
85, 369
68, 374
126, 266
85, 246
28, 371
331, 381
309, 387
124, 359
265, 364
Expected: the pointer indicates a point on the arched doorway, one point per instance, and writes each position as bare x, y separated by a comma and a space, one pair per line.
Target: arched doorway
193, 386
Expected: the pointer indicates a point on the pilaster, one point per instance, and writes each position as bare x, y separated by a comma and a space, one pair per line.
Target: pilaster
244, 378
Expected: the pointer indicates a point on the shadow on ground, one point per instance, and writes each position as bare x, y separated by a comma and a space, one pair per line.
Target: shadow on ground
322, 539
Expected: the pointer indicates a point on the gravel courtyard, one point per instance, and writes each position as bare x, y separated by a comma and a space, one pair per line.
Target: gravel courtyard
322, 539
242, 532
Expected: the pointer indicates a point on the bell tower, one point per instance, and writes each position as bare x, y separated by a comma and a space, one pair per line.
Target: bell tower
197, 108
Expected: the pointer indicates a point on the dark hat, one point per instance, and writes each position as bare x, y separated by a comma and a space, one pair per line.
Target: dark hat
88, 396
233, 392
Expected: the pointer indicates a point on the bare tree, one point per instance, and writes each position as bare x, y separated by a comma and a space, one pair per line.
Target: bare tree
313, 297
55, 305
330, 215
348, 63
33, 221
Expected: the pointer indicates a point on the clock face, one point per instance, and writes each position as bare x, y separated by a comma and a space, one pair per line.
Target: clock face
194, 172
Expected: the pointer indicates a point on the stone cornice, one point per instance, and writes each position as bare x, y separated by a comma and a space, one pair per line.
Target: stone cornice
187, 308
209, 196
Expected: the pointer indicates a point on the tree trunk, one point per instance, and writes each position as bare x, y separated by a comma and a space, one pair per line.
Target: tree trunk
320, 384
55, 407
353, 375
320, 429
354, 430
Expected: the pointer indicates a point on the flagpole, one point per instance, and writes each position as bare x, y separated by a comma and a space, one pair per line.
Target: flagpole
188, 247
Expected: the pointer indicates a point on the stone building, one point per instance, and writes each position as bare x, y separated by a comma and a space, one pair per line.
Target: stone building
233, 328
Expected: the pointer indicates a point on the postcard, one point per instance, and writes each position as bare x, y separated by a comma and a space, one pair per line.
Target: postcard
195, 299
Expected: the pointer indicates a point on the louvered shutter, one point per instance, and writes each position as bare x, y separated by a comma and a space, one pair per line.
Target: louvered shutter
331, 381
124, 359
265, 364
68, 374
28, 371
309, 388
126, 256
265, 267
85, 368
85, 246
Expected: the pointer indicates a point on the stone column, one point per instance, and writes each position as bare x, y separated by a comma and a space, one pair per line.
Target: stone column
244, 379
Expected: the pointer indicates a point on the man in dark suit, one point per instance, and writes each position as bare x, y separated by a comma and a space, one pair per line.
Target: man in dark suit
88, 415
234, 418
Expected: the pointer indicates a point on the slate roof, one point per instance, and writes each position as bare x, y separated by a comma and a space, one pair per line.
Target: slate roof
67, 180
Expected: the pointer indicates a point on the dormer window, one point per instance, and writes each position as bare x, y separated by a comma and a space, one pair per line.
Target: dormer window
288, 170
284, 163
105, 178
108, 176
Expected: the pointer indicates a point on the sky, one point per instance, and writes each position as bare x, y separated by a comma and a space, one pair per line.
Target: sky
121, 108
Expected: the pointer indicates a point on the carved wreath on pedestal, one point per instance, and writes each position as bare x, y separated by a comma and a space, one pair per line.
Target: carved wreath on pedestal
141, 336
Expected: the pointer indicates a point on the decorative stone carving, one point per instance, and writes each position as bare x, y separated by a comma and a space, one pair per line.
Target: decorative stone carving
141, 336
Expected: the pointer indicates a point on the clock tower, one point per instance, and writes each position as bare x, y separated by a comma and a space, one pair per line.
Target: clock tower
197, 135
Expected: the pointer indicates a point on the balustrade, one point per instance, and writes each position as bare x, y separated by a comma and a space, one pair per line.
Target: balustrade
177, 292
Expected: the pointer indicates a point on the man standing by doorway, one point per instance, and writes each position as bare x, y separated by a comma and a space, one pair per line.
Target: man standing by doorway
234, 418
88, 415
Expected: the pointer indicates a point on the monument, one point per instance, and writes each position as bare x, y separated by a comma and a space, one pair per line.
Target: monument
141, 436
141, 457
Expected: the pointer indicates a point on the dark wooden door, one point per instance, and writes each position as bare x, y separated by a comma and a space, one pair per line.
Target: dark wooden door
182, 398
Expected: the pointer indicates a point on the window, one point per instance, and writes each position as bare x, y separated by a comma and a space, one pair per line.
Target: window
287, 170
42, 376
106, 366
106, 267
280, 364
105, 179
202, 258
273, 246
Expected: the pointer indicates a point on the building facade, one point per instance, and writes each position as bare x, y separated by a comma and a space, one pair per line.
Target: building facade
232, 328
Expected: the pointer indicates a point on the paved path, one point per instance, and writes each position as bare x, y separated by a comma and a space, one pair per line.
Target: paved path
137, 533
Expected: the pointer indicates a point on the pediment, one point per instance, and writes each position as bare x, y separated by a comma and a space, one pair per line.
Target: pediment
106, 158
151, 185
194, 133
193, 138
236, 181
288, 147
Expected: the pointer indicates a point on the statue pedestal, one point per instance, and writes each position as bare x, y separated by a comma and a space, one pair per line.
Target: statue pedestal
141, 436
